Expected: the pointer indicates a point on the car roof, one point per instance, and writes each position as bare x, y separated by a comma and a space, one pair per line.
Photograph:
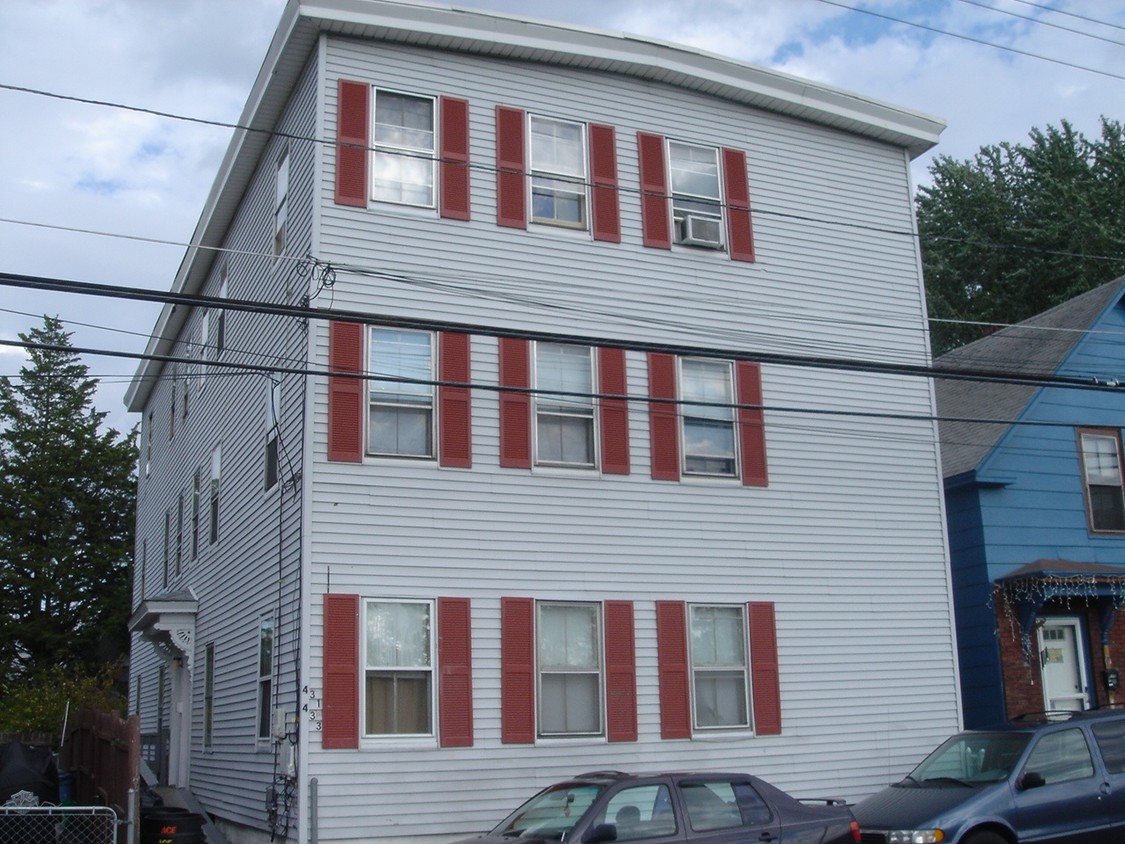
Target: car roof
1033, 722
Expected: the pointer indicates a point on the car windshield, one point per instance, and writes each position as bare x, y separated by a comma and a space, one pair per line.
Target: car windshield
971, 759
550, 814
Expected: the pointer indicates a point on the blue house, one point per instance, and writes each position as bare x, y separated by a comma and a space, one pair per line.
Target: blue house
1036, 510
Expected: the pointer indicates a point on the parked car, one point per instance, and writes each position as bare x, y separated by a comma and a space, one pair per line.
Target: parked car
681, 808
1057, 780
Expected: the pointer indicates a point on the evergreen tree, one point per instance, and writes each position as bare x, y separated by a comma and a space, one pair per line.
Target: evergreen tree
67, 493
1021, 228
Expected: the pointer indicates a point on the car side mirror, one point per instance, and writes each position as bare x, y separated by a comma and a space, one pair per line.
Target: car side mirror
1032, 779
599, 833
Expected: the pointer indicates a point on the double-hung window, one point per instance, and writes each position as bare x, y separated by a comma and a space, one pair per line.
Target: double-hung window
708, 427
281, 204
719, 675
208, 695
403, 163
570, 669
1101, 462
214, 491
265, 675
273, 420
399, 660
558, 172
564, 420
697, 198
401, 393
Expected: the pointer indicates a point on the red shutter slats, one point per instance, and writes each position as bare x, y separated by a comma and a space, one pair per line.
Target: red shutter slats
345, 394
620, 672
517, 670
765, 675
515, 408
455, 446
672, 669
352, 109
340, 714
455, 672
751, 424
655, 227
511, 156
740, 232
664, 431
614, 413
605, 213
454, 181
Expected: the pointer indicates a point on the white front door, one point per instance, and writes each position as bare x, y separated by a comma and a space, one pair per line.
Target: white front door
1063, 665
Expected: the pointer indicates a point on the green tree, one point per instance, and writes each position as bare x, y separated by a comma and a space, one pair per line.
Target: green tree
1020, 228
67, 492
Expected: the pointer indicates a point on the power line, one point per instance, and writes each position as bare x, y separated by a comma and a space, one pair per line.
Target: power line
1042, 22
1069, 14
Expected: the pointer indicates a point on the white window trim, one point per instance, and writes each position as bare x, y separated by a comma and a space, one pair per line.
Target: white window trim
410, 738
581, 182
593, 415
281, 204
409, 152
1112, 434
683, 415
719, 200
265, 735
374, 375
540, 671
746, 668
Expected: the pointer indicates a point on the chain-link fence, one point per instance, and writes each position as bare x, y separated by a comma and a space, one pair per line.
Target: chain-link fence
57, 825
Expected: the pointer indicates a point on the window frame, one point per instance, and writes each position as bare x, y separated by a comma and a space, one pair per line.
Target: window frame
695, 669
1113, 434
214, 494
281, 202
267, 663
408, 152
685, 203
688, 420
404, 403
598, 669
272, 432
553, 182
565, 408
366, 669
208, 695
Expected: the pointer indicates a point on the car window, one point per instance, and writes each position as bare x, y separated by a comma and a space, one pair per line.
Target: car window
640, 811
1061, 757
550, 814
973, 758
711, 805
1110, 737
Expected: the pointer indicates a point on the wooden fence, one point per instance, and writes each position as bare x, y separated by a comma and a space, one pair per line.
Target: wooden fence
102, 752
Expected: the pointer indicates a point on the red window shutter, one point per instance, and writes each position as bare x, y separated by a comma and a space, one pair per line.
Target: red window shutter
454, 179
672, 669
340, 715
620, 672
655, 226
353, 106
605, 212
614, 413
345, 394
511, 158
517, 671
455, 672
740, 232
515, 408
751, 424
765, 676
663, 420
455, 410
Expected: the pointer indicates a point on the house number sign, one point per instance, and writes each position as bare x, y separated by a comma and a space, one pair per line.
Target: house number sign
312, 707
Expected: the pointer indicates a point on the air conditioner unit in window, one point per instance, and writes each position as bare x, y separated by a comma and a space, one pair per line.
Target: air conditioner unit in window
702, 231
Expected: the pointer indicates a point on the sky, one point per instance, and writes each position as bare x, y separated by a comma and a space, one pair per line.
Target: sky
98, 193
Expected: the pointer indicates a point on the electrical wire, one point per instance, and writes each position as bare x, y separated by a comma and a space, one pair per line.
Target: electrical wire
1041, 22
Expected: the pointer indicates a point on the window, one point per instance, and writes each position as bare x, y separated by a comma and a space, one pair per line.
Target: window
1061, 757
697, 199
402, 166
216, 477
167, 543
719, 666
640, 812
1110, 737
708, 429
273, 417
723, 805
209, 694
195, 496
401, 393
265, 675
179, 535
172, 405
221, 324
281, 204
398, 682
558, 172
570, 677
1101, 462
148, 444
144, 567
564, 423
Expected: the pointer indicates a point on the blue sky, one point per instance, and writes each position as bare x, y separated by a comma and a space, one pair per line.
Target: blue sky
99, 194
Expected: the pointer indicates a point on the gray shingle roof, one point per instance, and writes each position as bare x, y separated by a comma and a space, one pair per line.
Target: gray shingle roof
1036, 346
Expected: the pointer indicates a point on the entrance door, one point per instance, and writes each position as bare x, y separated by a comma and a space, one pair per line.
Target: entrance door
1063, 665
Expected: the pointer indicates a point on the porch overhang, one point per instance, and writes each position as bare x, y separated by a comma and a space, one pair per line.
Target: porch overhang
168, 622
1029, 588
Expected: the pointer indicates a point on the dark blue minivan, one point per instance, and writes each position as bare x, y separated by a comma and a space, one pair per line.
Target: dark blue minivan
1060, 780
